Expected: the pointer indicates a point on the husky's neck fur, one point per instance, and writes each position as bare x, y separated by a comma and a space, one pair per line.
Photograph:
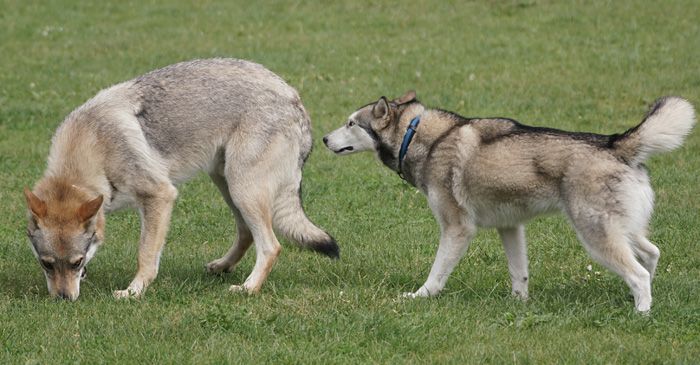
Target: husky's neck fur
431, 129
388, 139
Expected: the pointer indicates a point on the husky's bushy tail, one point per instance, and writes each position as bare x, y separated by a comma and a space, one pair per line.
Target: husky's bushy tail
668, 122
290, 220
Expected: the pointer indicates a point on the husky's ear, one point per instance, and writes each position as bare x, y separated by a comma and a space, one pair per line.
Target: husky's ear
36, 205
408, 97
89, 209
381, 108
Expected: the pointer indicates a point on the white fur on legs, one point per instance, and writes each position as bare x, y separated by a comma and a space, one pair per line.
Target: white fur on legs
516, 253
453, 245
455, 236
646, 252
613, 250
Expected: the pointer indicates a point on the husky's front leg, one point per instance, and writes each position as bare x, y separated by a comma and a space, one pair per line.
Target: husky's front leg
456, 232
516, 253
155, 217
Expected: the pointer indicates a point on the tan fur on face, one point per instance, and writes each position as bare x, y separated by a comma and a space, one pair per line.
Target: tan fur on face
67, 208
63, 214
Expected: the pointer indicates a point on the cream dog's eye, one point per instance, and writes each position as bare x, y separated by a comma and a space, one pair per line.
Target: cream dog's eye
47, 265
76, 265
351, 123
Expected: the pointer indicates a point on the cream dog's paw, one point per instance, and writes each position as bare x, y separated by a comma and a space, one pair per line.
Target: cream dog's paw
218, 266
125, 294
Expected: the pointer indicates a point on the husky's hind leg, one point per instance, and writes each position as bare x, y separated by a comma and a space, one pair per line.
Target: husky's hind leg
244, 238
608, 245
516, 253
646, 252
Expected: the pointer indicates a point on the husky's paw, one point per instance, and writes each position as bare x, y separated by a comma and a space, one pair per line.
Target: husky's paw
644, 310
126, 294
520, 295
420, 293
218, 266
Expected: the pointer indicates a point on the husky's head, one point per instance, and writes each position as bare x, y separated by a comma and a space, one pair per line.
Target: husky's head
369, 128
65, 228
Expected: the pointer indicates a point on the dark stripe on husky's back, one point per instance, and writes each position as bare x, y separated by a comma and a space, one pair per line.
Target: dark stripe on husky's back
497, 128
593, 139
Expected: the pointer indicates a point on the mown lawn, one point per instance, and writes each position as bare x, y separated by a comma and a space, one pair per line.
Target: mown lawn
586, 65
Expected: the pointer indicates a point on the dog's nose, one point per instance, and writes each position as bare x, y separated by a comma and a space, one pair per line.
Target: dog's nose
66, 295
325, 141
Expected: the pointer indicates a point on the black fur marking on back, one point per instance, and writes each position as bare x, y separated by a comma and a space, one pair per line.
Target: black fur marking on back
519, 129
328, 248
593, 139
658, 104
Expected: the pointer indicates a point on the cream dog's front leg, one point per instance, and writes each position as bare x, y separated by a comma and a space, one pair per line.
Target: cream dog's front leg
155, 218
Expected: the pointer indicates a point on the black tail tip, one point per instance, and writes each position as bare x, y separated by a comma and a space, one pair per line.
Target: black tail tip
329, 248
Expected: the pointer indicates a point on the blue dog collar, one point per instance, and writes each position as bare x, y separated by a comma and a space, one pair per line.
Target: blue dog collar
407, 138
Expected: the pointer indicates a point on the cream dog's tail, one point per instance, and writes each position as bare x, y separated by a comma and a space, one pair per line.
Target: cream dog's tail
290, 220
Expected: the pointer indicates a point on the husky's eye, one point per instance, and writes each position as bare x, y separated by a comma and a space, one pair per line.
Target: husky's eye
351, 123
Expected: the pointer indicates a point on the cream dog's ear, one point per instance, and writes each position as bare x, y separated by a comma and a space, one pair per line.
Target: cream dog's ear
89, 209
36, 205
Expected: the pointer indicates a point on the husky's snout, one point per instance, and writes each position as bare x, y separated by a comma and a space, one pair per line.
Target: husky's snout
348, 139
336, 149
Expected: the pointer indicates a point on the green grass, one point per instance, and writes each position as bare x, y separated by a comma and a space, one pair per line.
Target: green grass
587, 66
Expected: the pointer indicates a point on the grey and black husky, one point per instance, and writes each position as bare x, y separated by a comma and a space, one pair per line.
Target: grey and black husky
134, 142
495, 172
